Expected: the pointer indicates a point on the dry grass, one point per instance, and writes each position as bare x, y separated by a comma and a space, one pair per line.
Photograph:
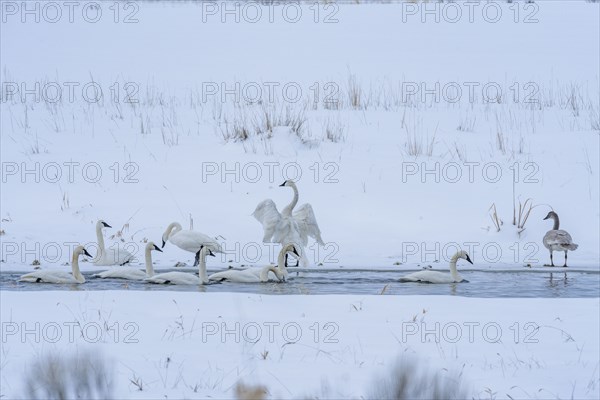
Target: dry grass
81, 376
412, 379
250, 392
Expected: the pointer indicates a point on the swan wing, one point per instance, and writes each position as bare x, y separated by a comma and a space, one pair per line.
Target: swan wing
559, 239
174, 278
122, 273
266, 213
307, 223
249, 275
427, 277
192, 241
114, 256
48, 277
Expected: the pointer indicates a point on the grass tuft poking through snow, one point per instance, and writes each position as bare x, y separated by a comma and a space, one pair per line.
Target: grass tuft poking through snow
411, 379
81, 376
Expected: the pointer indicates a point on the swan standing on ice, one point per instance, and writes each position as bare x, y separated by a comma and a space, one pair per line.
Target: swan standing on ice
185, 278
287, 227
189, 240
47, 276
557, 239
109, 256
439, 277
258, 274
132, 273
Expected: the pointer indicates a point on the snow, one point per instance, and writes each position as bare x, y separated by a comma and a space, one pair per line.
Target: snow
396, 180
536, 348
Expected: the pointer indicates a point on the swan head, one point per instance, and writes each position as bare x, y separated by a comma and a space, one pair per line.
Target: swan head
291, 248
288, 182
103, 224
165, 236
463, 254
208, 251
550, 215
151, 246
79, 250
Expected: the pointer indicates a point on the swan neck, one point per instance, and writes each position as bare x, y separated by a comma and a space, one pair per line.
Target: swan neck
288, 209
149, 267
173, 228
202, 266
100, 237
281, 263
556, 222
264, 273
75, 268
453, 270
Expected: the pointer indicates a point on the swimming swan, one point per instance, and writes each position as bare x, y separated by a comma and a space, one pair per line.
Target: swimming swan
109, 256
185, 278
248, 275
46, 276
437, 276
258, 274
132, 273
189, 240
557, 239
287, 227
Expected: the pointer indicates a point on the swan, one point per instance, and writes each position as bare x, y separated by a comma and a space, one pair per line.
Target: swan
132, 273
429, 276
109, 256
46, 276
185, 278
189, 240
248, 275
258, 274
287, 227
557, 239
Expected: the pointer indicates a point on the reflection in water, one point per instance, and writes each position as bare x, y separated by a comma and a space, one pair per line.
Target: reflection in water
307, 282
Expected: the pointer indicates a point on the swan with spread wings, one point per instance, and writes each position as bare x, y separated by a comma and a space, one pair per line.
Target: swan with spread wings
289, 226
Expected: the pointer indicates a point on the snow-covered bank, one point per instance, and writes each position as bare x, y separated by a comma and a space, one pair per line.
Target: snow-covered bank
195, 345
394, 178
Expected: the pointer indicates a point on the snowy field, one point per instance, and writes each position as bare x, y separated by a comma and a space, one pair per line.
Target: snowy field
413, 129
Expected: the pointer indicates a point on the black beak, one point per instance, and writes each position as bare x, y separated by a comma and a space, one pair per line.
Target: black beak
545, 218
106, 225
86, 253
157, 249
283, 184
294, 251
210, 253
163, 245
469, 260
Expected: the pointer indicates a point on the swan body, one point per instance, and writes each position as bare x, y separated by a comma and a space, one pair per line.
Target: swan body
109, 256
257, 274
557, 239
185, 278
248, 275
188, 240
46, 276
428, 276
289, 226
132, 273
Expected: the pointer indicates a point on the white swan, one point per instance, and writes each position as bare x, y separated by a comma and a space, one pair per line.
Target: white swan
287, 227
46, 276
132, 273
557, 239
248, 275
185, 278
189, 240
109, 256
257, 274
439, 277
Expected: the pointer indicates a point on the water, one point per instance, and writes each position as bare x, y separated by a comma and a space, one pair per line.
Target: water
354, 281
